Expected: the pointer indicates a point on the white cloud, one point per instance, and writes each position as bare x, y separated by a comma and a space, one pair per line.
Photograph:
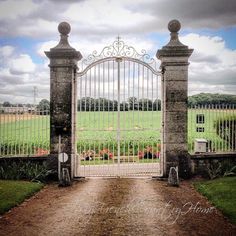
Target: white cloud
96, 23
22, 64
12, 9
19, 74
45, 46
36, 18
105, 15
37, 28
6, 51
213, 65
214, 47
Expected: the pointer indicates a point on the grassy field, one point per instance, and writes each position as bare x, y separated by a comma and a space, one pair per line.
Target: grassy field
221, 193
23, 134
13, 193
96, 131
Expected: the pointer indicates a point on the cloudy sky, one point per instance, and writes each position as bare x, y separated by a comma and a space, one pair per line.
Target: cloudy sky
29, 27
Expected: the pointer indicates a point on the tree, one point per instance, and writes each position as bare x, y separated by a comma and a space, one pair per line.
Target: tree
133, 103
157, 105
44, 105
6, 104
209, 99
28, 105
124, 106
145, 104
226, 129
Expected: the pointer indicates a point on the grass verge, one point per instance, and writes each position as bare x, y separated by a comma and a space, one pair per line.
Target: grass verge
221, 193
13, 193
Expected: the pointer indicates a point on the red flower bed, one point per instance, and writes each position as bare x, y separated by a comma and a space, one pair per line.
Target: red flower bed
149, 153
41, 152
105, 154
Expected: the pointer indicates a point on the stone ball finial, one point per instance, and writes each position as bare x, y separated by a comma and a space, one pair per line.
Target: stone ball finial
64, 28
174, 26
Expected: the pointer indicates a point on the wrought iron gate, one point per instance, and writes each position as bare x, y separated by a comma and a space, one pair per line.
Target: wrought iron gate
119, 117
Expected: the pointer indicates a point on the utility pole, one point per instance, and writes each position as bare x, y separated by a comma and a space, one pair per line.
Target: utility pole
35, 93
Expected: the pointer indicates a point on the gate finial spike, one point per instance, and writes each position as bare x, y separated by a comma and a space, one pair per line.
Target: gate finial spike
118, 42
118, 38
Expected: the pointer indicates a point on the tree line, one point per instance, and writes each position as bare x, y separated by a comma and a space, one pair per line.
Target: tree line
104, 104
207, 99
96, 104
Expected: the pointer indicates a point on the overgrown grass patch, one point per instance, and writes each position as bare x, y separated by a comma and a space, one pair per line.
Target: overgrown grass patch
25, 170
221, 193
13, 193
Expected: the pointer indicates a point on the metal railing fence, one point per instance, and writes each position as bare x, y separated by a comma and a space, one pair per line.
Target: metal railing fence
213, 126
24, 131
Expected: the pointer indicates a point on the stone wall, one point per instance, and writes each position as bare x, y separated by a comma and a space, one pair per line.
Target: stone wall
39, 160
201, 162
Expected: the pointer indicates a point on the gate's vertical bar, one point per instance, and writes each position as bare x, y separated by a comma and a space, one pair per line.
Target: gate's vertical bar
113, 108
124, 134
15, 131
2, 126
129, 123
228, 111
108, 115
3, 130
163, 160
233, 129
10, 134
118, 60
138, 110
103, 117
99, 109
79, 148
133, 109
93, 81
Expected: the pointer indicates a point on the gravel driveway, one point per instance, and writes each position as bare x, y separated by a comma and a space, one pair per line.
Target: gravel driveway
116, 206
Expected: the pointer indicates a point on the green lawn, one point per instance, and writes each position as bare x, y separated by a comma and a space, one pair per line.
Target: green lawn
221, 193
13, 193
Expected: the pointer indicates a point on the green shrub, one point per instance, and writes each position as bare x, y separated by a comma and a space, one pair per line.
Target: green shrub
219, 169
24, 170
226, 129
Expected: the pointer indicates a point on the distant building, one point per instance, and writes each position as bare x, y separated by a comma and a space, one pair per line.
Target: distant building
17, 110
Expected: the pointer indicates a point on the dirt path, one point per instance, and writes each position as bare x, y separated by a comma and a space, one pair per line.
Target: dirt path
116, 207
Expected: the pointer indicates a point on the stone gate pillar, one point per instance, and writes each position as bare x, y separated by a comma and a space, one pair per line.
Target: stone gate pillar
174, 65
63, 66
